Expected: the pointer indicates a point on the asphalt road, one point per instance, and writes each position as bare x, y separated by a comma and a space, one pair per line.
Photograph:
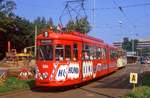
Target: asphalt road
114, 85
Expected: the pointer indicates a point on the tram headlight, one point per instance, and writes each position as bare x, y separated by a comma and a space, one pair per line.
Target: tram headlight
45, 75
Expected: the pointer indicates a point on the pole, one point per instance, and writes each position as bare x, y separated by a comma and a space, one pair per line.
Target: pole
9, 46
133, 45
35, 41
93, 15
133, 86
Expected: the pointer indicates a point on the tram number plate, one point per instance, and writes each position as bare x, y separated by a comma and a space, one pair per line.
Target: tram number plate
45, 66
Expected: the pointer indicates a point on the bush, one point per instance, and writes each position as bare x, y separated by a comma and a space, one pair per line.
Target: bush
140, 92
144, 90
13, 83
146, 79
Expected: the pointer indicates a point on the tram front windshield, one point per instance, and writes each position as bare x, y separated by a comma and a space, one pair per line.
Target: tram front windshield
62, 52
45, 52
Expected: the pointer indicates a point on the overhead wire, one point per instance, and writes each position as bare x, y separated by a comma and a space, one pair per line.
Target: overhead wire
127, 6
124, 14
73, 6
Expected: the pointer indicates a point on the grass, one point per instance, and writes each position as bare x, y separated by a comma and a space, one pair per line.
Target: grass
12, 84
143, 91
139, 92
146, 79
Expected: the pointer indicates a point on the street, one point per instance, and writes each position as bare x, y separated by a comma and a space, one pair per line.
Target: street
114, 85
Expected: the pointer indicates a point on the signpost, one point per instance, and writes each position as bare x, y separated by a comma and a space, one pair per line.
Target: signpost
133, 79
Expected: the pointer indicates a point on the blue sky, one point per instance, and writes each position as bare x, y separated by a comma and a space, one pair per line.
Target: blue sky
111, 24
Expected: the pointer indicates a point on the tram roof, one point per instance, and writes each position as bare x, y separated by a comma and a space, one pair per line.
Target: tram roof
67, 35
75, 36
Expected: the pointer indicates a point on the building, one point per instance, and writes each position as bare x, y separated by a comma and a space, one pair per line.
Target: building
140, 45
133, 56
143, 44
118, 44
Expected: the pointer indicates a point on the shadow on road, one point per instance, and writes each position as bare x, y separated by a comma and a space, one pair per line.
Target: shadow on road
51, 89
121, 82
98, 93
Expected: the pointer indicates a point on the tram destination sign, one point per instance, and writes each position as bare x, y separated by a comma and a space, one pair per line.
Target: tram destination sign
45, 41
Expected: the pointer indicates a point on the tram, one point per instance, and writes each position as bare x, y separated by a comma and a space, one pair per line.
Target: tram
122, 59
70, 58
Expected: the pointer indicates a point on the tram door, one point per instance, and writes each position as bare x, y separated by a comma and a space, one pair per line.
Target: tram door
108, 57
77, 56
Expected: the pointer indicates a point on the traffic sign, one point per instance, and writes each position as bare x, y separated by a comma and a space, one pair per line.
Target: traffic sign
133, 78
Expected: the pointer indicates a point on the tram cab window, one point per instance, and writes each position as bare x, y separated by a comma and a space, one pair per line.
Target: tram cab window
67, 52
59, 52
45, 52
75, 51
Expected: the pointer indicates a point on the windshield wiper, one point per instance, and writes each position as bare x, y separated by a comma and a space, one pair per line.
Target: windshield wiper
41, 52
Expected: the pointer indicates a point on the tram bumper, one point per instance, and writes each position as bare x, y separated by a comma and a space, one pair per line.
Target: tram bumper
40, 83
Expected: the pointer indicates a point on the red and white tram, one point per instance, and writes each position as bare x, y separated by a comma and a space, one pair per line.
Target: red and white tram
70, 58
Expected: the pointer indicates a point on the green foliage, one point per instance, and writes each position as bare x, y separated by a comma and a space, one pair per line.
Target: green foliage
127, 44
43, 24
13, 84
17, 30
80, 25
7, 7
70, 26
140, 92
146, 79
143, 91
146, 51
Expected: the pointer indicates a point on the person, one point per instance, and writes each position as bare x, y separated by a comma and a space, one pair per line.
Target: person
50, 55
86, 55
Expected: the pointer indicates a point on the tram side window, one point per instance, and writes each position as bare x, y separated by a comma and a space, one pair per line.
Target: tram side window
59, 52
86, 52
91, 52
103, 53
67, 52
75, 51
94, 54
98, 53
113, 54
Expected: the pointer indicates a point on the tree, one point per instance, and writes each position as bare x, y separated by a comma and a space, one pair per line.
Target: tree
127, 44
145, 51
43, 24
7, 7
50, 23
80, 25
71, 26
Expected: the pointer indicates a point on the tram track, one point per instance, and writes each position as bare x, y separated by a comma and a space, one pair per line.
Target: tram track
114, 85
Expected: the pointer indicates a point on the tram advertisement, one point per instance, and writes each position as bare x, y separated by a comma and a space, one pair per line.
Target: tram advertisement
65, 71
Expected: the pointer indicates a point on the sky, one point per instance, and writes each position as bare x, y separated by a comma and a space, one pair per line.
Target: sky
113, 19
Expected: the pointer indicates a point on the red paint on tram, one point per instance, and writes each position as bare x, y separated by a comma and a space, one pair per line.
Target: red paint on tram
70, 58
